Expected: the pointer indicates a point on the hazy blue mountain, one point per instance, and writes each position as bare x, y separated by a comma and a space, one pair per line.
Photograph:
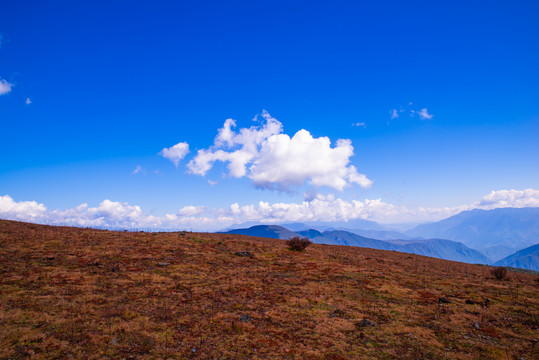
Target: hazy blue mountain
350, 224
496, 233
311, 233
446, 249
443, 249
402, 227
340, 237
332, 225
269, 231
244, 225
295, 226
438, 248
527, 258
379, 234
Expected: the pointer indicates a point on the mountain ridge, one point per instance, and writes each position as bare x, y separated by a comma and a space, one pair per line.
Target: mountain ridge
438, 248
497, 233
527, 258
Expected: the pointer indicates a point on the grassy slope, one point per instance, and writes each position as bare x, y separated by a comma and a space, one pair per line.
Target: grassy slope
81, 293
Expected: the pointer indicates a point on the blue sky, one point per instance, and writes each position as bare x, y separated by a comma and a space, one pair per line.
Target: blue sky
93, 90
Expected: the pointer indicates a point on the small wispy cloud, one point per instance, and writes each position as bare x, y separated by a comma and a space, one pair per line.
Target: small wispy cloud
27, 101
5, 87
424, 114
212, 183
138, 170
175, 153
360, 124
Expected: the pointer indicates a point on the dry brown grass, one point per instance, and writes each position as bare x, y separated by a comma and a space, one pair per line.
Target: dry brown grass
70, 293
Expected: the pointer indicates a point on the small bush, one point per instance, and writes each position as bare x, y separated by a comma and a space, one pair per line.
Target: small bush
297, 243
499, 272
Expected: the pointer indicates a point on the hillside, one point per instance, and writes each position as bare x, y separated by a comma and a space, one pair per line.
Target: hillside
525, 259
496, 233
92, 294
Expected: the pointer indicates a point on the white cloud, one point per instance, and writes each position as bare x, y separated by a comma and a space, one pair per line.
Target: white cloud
283, 161
424, 115
176, 153
27, 101
191, 210
113, 214
360, 124
246, 143
5, 87
107, 214
137, 170
273, 160
23, 211
509, 198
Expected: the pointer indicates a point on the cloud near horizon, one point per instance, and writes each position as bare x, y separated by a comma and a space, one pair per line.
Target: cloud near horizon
274, 160
113, 214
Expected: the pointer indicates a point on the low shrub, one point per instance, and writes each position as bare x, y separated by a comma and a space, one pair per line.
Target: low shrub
298, 244
499, 272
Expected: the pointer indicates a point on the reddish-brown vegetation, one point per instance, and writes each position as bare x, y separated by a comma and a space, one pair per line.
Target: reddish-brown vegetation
499, 272
71, 293
297, 243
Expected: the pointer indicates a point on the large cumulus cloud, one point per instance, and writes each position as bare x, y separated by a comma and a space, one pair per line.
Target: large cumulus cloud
272, 159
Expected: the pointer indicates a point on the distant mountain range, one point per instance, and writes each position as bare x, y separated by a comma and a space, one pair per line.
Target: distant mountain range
496, 233
269, 231
504, 236
525, 259
443, 249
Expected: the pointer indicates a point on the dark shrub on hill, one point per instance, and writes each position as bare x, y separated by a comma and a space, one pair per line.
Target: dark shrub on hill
499, 272
298, 244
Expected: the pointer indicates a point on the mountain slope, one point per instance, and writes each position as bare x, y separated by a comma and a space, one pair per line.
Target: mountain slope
311, 233
496, 233
446, 249
74, 293
350, 224
341, 237
527, 258
438, 248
